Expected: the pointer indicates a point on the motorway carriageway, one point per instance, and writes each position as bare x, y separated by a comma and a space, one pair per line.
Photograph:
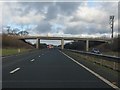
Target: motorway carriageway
48, 68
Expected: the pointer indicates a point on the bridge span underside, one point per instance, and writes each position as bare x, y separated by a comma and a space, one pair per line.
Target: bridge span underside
62, 40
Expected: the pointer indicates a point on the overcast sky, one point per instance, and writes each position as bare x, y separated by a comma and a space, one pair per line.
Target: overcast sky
81, 19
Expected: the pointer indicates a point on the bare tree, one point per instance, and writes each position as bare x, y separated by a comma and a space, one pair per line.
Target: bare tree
14, 31
22, 33
8, 29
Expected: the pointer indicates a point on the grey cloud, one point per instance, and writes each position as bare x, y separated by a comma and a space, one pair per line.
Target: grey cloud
65, 9
52, 13
30, 6
68, 8
15, 8
53, 8
43, 27
85, 29
24, 8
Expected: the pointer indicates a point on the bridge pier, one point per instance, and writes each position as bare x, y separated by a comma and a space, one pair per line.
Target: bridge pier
62, 44
87, 45
38, 43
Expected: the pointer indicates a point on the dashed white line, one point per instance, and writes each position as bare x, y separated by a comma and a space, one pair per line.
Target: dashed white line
14, 70
32, 60
3, 57
97, 75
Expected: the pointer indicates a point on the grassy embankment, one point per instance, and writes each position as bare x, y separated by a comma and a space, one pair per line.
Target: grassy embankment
112, 53
110, 48
12, 45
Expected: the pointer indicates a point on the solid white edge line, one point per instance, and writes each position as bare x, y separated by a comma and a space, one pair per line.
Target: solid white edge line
15, 70
97, 75
32, 60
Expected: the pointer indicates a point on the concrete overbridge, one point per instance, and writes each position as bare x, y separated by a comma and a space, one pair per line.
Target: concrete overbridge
38, 38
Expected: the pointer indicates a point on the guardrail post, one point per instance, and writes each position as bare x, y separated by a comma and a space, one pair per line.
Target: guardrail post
38, 43
62, 44
87, 45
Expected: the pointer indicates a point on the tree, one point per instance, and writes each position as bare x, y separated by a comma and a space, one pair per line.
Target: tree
8, 29
14, 31
23, 33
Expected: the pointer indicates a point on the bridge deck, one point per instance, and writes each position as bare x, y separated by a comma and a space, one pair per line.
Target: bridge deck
65, 38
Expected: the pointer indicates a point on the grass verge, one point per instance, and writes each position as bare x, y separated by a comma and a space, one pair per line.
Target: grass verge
112, 53
12, 51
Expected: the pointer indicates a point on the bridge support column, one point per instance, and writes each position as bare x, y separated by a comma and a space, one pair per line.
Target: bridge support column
87, 45
38, 43
62, 44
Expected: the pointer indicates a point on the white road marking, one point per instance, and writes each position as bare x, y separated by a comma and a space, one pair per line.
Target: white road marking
32, 60
3, 57
97, 75
39, 56
7, 56
15, 70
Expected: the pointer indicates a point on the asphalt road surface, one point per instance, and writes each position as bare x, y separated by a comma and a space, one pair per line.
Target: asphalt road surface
48, 68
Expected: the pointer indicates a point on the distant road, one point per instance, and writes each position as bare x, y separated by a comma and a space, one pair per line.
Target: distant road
47, 68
